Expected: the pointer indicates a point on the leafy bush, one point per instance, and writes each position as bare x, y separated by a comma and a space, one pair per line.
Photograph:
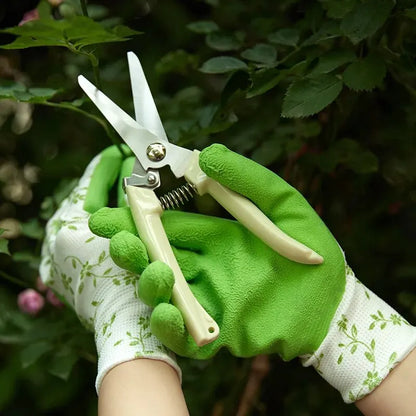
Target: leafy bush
322, 92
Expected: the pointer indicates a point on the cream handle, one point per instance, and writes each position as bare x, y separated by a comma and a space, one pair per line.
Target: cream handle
146, 211
247, 213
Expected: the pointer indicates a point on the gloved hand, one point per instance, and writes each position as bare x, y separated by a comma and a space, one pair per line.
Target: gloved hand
263, 302
76, 264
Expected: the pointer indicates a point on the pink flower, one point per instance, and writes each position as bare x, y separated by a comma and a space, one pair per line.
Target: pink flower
53, 299
30, 301
40, 286
29, 16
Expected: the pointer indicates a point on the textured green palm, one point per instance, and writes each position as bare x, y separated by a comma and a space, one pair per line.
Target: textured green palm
262, 302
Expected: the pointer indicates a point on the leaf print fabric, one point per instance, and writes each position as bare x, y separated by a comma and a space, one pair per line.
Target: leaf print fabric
366, 340
77, 265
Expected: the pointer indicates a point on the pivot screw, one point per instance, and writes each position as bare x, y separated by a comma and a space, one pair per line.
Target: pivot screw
151, 179
156, 152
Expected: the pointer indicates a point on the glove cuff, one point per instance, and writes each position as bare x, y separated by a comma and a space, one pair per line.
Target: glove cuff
366, 340
122, 333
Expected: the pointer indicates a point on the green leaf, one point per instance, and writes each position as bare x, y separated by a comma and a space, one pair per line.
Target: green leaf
62, 363
4, 244
101, 257
262, 52
354, 331
223, 42
366, 18
32, 229
337, 9
264, 80
75, 32
392, 358
222, 64
26, 257
287, 37
369, 356
235, 87
333, 60
339, 361
373, 344
365, 74
125, 32
354, 348
411, 13
309, 96
18, 92
329, 30
33, 352
203, 26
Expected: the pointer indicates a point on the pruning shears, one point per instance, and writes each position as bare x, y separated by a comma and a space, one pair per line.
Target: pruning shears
147, 139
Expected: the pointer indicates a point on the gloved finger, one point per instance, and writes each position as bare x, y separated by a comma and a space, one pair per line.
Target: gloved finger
184, 230
100, 176
191, 231
155, 284
190, 262
125, 171
129, 252
242, 175
166, 323
107, 222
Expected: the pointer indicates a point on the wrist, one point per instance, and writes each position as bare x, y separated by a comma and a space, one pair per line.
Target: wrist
366, 340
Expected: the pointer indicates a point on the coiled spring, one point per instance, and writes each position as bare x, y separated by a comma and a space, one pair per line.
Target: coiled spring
177, 197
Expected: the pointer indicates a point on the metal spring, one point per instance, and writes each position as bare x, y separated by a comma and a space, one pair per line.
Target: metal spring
177, 197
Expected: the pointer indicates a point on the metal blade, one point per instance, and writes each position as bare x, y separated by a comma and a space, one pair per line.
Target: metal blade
135, 135
144, 105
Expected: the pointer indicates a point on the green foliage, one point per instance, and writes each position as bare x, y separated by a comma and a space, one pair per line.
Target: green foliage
74, 33
289, 37
321, 92
366, 18
4, 244
310, 95
222, 64
365, 74
17, 91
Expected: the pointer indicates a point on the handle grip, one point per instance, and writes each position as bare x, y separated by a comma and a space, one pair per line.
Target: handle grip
146, 211
249, 215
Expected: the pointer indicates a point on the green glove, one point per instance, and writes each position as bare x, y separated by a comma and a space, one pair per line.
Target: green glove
262, 302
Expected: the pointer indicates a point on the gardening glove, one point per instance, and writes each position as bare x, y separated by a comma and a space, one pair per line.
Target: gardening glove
76, 264
263, 302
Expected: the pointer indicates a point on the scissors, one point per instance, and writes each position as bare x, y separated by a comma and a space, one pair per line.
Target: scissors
147, 139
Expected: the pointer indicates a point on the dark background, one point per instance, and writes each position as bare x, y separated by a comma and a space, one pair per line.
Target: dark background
354, 161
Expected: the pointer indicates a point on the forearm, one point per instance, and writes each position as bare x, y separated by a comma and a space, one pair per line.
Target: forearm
395, 396
141, 386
